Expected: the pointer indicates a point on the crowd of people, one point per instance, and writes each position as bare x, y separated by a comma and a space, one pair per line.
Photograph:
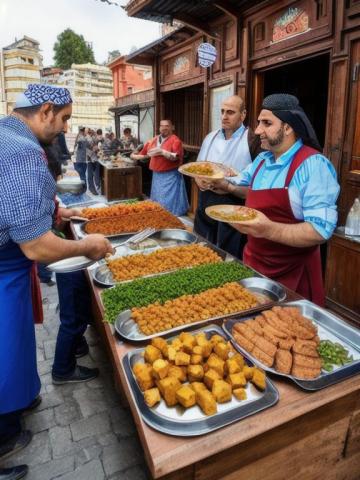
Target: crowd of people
282, 174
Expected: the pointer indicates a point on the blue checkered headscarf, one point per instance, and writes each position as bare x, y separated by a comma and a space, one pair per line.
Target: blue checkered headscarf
40, 93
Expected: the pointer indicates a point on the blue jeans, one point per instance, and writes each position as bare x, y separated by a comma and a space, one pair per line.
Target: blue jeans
43, 273
80, 167
75, 315
93, 171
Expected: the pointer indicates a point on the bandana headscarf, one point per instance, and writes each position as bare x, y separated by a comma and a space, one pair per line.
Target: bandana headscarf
40, 93
286, 107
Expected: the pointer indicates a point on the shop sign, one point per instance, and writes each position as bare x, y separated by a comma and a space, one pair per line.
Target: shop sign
207, 54
292, 22
181, 65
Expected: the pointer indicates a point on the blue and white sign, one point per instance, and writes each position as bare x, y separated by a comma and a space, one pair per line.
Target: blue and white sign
207, 54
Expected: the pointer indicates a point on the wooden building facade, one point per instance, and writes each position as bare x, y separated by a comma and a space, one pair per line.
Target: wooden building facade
309, 48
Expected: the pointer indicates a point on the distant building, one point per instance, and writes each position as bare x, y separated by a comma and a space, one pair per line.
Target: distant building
20, 64
134, 97
91, 88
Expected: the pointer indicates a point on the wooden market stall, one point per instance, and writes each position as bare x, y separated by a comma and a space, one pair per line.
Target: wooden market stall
303, 47
305, 435
119, 183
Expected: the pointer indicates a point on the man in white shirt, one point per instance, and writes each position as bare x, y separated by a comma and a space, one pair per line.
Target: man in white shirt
235, 146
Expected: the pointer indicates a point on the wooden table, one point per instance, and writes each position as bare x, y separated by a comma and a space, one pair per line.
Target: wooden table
118, 183
305, 436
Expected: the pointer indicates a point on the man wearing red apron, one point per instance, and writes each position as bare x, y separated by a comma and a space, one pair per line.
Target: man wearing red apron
294, 189
27, 192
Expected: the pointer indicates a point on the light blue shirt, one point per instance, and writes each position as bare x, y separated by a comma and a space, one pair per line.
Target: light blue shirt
313, 190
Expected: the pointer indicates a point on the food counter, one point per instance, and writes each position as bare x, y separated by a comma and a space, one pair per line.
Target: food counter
305, 435
120, 182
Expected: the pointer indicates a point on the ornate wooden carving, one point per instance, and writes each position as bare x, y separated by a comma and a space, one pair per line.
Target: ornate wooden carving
293, 22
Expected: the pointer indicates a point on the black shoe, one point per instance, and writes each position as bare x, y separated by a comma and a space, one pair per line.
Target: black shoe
80, 374
15, 444
49, 283
35, 403
82, 350
13, 473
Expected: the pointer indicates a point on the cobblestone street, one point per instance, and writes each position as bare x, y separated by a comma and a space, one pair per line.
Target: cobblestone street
80, 430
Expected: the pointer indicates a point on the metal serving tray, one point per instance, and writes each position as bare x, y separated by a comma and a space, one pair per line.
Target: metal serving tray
192, 421
330, 327
162, 239
268, 292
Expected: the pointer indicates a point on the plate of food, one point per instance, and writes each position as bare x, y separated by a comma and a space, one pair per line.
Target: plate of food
231, 213
207, 170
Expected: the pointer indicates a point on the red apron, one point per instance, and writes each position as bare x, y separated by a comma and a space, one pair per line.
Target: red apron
298, 268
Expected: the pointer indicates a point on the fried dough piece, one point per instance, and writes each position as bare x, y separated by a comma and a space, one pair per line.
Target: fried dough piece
245, 331
305, 361
276, 323
316, 339
286, 343
269, 335
243, 342
274, 331
266, 346
261, 320
302, 332
262, 357
305, 347
305, 373
283, 361
255, 326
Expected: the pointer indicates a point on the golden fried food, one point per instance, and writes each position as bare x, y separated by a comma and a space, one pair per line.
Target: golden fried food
214, 379
167, 259
229, 298
121, 209
236, 214
305, 373
283, 361
133, 223
200, 169
285, 335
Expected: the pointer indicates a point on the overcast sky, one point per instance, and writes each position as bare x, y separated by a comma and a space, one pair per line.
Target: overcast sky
106, 26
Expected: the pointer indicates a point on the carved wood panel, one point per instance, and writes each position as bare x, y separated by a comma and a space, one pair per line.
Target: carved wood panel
278, 27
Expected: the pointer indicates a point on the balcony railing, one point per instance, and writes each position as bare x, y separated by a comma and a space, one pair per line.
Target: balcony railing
145, 96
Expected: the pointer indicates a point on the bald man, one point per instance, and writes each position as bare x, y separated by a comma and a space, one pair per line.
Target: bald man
233, 145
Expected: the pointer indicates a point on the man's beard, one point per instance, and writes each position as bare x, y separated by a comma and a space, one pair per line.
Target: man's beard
273, 142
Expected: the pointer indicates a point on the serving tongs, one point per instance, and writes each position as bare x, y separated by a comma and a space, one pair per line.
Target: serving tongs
73, 264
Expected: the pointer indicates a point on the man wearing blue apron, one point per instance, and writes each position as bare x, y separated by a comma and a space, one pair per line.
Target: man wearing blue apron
27, 192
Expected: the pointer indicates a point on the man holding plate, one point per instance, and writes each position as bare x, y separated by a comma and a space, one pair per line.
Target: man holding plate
234, 146
294, 189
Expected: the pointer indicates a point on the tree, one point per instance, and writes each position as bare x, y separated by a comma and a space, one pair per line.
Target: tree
72, 48
113, 54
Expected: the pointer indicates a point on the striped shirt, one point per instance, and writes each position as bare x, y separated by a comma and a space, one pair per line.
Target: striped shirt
27, 188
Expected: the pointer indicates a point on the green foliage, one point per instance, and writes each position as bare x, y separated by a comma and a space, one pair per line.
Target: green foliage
71, 48
142, 292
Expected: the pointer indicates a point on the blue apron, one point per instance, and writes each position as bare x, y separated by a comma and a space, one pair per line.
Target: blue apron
19, 380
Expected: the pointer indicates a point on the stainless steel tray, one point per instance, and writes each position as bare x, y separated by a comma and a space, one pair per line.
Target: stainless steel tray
72, 264
192, 421
162, 239
261, 287
330, 327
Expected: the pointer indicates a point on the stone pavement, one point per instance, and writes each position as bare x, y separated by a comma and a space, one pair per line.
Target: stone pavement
81, 432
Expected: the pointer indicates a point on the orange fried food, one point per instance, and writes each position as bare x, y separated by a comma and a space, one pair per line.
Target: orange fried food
254, 325
243, 341
305, 361
262, 357
286, 343
167, 259
133, 223
305, 347
246, 331
267, 347
305, 373
229, 298
283, 361
121, 209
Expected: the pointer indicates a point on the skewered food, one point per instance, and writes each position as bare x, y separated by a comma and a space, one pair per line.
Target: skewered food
284, 339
